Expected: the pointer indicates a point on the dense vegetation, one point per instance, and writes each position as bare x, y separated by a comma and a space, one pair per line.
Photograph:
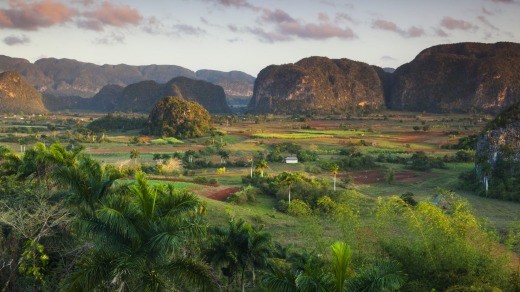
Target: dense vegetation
66, 225
112, 122
172, 116
497, 165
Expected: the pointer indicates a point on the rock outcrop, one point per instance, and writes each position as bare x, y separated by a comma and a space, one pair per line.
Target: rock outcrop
497, 159
464, 77
317, 85
16, 95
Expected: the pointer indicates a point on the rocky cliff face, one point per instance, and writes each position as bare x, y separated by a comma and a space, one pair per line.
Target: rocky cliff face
465, 77
497, 160
16, 95
67, 77
317, 85
141, 96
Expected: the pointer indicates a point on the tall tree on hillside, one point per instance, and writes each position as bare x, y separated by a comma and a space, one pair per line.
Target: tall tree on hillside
134, 155
289, 179
224, 155
334, 170
261, 165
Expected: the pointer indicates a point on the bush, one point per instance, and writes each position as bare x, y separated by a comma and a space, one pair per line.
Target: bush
299, 208
200, 179
247, 195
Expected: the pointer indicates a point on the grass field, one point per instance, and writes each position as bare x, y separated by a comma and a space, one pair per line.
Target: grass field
387, 133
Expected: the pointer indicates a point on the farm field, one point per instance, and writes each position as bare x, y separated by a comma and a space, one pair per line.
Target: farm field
246, 137
389, 187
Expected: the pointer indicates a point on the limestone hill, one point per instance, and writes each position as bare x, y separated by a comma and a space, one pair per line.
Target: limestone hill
16, 95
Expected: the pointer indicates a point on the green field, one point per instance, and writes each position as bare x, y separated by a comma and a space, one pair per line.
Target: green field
374, 156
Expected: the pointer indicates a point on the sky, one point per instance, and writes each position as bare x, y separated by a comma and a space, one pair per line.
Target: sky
247, 35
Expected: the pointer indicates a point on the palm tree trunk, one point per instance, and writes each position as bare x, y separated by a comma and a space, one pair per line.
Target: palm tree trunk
242, 281
289, 195
334, 182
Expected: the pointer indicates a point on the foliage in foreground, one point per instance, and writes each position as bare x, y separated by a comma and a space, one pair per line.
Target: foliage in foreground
66, 226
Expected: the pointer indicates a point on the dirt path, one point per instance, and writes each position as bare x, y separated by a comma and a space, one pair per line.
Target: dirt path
215, 192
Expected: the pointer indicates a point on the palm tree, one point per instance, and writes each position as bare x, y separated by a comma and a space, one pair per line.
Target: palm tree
239, 248
261, 165
223, 156
87, 182
334, 170
40, 162
134, 155
385, 275
189, 155
340, 264
9, 161
137, 241
289, 179
221, 134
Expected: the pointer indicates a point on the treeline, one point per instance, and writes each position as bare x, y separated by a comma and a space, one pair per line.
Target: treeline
113, 122
67, 224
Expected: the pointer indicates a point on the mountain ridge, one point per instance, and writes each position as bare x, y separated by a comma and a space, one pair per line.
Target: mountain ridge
69, 77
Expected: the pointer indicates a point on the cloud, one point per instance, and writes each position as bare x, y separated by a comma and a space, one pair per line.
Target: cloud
411, 32
440, 32
35, 15
457, 24
504, 1
388, 58
85, 2
111, 15
285, 27
484, 20
111, 39
234, 3
344, 17
184, 29
16, 40
153, 25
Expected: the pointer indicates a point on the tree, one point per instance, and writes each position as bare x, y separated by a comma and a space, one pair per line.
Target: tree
138, 241
384, 275
261, 165
85, 183
289, 179
134, 155
173, 116
340, 264
223, 156
390, 176
188, 155
221, 134
238, 248
334, 170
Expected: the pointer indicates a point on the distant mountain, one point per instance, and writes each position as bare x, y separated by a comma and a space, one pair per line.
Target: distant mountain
464, 77
318, 85
237, 85
16, 95
67, 77
142, 96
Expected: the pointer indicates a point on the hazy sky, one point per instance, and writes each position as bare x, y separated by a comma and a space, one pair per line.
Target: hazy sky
247, 35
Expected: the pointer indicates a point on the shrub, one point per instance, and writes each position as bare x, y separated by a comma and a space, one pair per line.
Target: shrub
247, 195
299, 208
